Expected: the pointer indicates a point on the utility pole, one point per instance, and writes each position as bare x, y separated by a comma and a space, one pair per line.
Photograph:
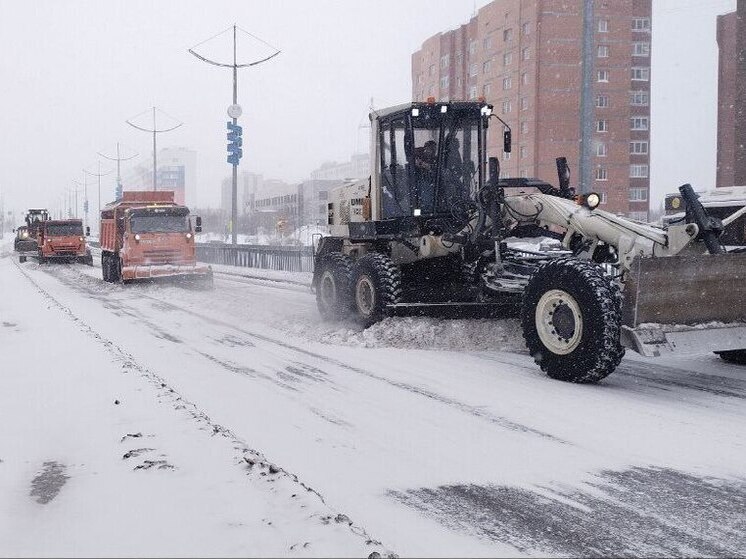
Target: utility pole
153, 131
234, 111
119, 160
586, 100
98, 175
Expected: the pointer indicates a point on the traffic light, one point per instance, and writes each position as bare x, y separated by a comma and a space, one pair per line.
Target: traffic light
234, 143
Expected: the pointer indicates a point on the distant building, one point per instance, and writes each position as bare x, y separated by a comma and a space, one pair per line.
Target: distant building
731, 137
314, 196
357, 167
177, 171
524, 57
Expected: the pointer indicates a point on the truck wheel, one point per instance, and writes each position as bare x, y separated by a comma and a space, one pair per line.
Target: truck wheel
105, 268
115, 269
333, 290
737, 356
571, 318
376, 283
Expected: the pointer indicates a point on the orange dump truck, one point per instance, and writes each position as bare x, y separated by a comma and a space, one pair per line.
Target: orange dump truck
62, 239
146, 235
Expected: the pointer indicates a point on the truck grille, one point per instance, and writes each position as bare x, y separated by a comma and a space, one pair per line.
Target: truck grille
162, 256
65, 248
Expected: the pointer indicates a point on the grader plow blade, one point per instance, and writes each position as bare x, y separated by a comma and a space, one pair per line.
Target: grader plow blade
685, 304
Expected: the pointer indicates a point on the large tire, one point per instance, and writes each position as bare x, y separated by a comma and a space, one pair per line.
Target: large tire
737, 356
571, 318
333, 296
376, 283
105, 270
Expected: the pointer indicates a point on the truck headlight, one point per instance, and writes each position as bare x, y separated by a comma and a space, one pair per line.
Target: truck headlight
137, 238
188, 235
81, 239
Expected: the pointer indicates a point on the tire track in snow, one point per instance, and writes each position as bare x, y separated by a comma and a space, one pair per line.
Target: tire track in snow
475, 411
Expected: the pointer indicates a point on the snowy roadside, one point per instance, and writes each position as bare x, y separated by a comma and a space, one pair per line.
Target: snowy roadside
100, 457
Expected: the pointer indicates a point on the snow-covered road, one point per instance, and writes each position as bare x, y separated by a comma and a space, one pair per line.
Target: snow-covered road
435, 437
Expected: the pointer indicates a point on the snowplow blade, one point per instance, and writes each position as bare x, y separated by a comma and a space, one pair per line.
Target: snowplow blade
166, 271
685, 304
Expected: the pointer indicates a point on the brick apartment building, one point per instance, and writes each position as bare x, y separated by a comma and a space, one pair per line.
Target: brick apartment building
731, 154
524, 57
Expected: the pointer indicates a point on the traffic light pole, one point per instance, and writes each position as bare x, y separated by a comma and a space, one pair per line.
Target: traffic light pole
234, 112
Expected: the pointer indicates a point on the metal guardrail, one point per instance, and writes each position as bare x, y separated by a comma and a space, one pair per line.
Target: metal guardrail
284, 258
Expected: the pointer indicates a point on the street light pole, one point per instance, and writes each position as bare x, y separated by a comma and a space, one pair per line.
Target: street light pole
98, 175
119, 160
234, 111
153, 131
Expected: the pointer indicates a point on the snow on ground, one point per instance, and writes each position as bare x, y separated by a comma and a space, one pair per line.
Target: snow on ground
99, 456
468, 450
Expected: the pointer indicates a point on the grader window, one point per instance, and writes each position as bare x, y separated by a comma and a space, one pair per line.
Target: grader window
394, 170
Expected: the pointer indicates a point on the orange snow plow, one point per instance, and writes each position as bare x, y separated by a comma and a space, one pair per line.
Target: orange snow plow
146, 235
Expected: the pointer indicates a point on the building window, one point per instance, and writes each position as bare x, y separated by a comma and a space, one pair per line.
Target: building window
603, 25
507, 107
459, 83
487, 43
638, 171
603, 51
602, 101
526, 28
486, 90
524, 173
506, 155
524, 127
444, 82
486, 67
524, 152
641, 49
601, 174
525, 54
431, 70
473, 92
507, 58
431, 91
638, 194
640, 74
472, 47
602, 126
473, 70
524, 78
639, 216
638, 148
602, 76
459, 59
603, 197
507, 83
507, 34
524, 103
641, 24
639, 98
601, 149
445, 60
639, 123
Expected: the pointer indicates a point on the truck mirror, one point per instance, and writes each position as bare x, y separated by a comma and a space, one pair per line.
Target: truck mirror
198, 224
88, 231
507, 141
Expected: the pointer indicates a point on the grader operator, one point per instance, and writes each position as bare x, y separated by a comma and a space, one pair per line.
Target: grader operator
438, 230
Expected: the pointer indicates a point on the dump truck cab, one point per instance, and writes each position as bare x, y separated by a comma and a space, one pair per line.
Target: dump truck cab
147, 235
63, 239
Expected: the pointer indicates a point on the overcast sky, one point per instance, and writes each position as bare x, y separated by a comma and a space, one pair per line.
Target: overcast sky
72, 72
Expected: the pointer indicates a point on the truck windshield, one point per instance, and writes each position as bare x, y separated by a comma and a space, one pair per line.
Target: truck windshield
161, 223
65, 230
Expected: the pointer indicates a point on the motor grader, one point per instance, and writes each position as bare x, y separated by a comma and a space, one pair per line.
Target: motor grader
431, 228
